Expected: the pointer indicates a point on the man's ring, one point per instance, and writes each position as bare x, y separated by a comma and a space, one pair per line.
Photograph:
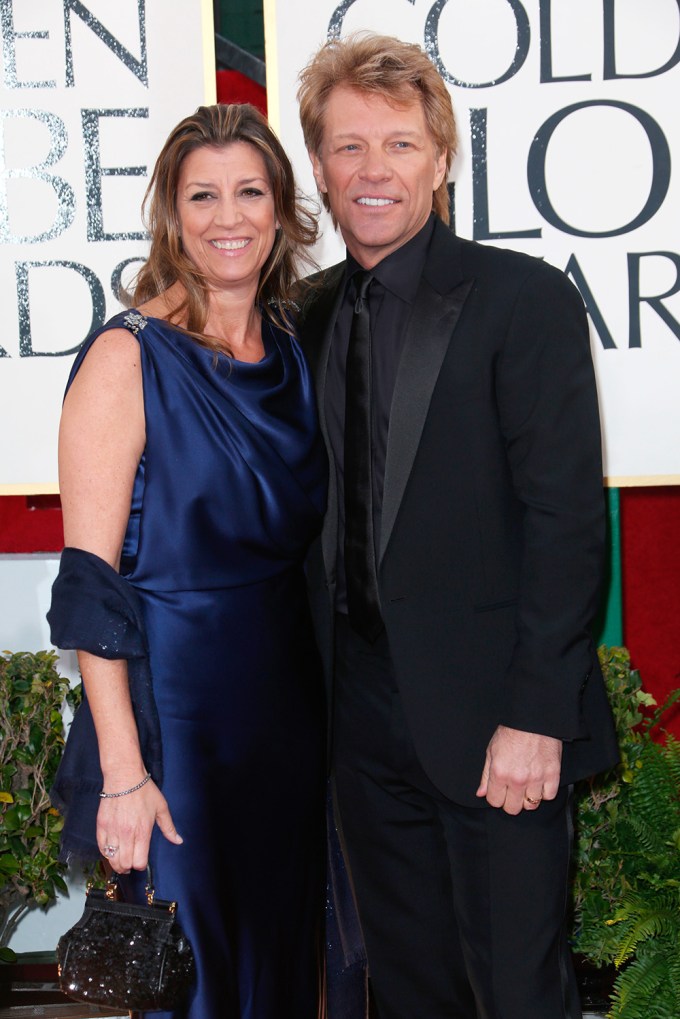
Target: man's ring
110, 851
532, 801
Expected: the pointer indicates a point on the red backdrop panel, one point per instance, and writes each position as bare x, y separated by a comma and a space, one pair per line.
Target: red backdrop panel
233, 87
31, 523
650, 554
650, 561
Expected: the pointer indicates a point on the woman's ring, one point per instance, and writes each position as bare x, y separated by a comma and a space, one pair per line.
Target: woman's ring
532, 801
110, 851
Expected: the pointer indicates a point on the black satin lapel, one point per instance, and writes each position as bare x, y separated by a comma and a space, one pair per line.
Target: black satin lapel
429, 331
318, 329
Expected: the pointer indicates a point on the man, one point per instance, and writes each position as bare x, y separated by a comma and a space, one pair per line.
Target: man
460, 562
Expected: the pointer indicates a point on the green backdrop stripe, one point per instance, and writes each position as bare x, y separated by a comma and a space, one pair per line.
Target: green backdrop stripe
609, 626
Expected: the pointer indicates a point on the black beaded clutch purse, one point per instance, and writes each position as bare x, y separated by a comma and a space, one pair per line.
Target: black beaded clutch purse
126, 956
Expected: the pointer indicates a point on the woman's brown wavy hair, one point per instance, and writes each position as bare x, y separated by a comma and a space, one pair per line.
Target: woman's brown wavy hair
217, 126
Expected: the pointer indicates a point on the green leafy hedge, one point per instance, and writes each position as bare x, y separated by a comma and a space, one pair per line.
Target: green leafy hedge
627, 880
32, 697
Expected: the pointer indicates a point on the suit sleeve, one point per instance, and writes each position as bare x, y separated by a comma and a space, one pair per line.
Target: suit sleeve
548, 412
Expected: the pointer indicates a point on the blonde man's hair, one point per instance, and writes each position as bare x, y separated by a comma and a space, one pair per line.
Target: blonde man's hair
379, 65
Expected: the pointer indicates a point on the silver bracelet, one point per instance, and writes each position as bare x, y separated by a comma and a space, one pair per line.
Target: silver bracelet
126, 792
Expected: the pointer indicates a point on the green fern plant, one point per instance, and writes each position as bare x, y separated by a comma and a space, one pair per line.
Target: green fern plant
32, 697
627, 855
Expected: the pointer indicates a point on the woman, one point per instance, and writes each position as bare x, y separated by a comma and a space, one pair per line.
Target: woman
192, 480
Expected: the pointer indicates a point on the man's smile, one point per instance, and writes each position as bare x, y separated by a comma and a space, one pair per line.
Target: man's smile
376, 201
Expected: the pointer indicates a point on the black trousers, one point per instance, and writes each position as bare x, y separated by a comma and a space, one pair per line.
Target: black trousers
462, 908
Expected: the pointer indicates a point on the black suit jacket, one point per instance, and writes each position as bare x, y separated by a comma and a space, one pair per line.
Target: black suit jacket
493, 524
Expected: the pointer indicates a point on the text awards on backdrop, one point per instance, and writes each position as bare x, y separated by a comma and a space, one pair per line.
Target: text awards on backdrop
567, 121
89, 91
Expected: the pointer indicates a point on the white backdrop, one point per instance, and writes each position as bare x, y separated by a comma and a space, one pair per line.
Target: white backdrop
88, 93
567, 115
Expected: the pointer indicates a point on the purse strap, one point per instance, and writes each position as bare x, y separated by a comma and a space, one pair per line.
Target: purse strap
112, 890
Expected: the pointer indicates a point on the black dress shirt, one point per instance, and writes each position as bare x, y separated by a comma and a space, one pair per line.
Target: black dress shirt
390, 299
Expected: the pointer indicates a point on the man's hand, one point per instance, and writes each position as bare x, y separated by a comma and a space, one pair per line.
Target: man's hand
521, 769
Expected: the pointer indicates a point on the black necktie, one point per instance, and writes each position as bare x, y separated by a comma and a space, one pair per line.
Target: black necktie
363, 604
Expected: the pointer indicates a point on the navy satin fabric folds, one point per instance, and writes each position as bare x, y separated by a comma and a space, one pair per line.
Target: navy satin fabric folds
93, 609
229, 493
232, 483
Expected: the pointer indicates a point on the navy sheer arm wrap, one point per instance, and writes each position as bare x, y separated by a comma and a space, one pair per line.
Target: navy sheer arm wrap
94, 609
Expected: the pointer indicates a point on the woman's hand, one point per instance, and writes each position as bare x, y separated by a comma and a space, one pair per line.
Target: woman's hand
125, 824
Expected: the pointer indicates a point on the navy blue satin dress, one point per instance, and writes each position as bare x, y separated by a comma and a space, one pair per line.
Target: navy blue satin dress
229, 493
